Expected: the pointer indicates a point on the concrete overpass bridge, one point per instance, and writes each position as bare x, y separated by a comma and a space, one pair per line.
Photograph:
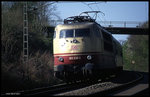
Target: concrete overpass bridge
115, 27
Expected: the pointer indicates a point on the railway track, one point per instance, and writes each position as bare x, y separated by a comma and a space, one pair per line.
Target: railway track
36, 90
139, 88
104, 87
39, 91
50, 90
107, 92
58, 89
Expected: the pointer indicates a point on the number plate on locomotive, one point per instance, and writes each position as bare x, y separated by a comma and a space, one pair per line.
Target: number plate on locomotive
74, 58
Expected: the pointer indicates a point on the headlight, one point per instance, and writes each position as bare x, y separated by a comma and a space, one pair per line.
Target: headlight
61, 59
89, 57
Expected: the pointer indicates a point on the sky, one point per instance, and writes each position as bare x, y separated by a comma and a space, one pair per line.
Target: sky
114, 11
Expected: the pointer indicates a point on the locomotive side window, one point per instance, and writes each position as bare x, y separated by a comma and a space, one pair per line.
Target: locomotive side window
106, 36
108, 46
82, 32
97, 32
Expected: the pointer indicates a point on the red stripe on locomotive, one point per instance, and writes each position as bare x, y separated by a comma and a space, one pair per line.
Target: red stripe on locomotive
76, 59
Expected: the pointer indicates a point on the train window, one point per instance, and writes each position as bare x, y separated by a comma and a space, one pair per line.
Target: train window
106, 36
62, 34
74, 33
97, 32
54, 35
108, 46
69, 33
82, 32
66, 33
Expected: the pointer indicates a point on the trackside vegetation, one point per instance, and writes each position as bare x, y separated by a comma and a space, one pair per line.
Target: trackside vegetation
136, 52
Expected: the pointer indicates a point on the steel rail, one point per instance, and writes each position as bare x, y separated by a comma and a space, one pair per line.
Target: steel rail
103, 88
59, 88
110, 90
56, 89
26, 92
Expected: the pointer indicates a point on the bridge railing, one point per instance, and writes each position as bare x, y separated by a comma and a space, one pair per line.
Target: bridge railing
120, 23
106, 23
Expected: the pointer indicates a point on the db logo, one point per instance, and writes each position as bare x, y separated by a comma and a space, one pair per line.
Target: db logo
74, 47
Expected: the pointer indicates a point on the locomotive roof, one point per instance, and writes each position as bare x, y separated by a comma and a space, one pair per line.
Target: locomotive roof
81, 24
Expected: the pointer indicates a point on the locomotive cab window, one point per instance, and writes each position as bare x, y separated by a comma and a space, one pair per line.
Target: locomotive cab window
62, 34
82, 32
69, 33
66, 33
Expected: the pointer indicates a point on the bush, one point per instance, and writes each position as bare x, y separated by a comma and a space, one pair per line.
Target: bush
40, 73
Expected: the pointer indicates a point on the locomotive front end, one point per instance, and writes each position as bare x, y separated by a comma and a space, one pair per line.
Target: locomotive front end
72, 47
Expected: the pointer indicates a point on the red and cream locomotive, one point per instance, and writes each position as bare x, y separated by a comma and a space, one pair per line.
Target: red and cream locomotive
83, 48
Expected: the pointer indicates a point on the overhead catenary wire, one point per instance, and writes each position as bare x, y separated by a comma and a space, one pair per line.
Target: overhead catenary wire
102, 15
